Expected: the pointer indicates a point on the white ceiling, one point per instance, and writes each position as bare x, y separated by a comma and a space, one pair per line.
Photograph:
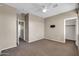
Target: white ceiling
35, 8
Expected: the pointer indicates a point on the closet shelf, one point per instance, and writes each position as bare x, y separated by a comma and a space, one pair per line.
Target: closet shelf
70, 25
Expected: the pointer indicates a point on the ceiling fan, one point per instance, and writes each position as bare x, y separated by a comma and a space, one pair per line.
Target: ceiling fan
44, 7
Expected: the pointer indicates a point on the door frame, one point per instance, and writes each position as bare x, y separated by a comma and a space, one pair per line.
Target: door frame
76, 18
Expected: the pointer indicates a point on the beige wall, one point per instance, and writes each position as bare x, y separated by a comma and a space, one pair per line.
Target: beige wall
7, 27
57, 33
36, 28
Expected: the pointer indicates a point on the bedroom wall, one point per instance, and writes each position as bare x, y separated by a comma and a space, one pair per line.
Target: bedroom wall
36, 28
7, 27
57, 33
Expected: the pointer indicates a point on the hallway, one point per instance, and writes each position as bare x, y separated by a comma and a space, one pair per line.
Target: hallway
43, 48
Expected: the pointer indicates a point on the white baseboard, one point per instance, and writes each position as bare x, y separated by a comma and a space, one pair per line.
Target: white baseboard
8, 47
34, 41
57, 41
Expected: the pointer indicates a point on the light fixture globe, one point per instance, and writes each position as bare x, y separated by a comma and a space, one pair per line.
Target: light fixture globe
44, 10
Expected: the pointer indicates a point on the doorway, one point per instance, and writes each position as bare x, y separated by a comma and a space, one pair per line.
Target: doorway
21, 30
71, 29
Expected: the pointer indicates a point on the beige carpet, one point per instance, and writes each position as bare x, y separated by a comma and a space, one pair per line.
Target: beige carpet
43, 48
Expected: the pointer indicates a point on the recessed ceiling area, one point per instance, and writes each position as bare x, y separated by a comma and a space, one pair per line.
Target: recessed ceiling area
43, 9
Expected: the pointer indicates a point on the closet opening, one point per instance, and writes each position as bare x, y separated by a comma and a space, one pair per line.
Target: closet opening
21, 30
71, 29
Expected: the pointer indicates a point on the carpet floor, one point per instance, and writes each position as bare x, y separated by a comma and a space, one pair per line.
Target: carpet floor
43, 48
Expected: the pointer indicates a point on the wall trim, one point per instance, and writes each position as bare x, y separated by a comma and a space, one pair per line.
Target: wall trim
57, 41
34, 40
8, 47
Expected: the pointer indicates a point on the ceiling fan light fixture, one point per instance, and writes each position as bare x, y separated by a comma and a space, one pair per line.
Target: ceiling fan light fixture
44, 10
